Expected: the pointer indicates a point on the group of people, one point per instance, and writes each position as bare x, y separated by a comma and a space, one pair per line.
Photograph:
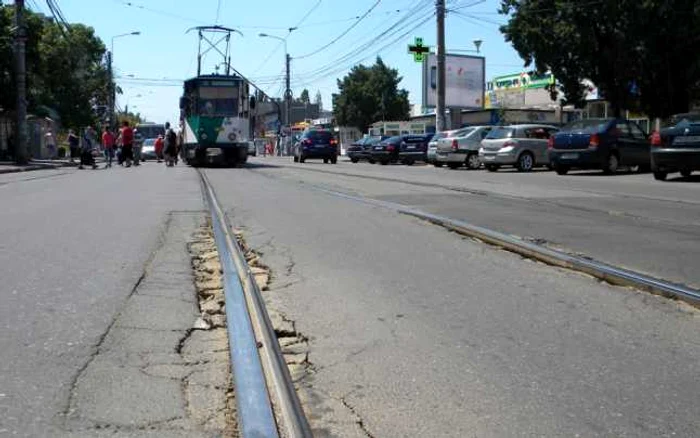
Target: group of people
121, 145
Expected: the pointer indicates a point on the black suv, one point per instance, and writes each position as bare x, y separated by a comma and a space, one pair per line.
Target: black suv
317, 144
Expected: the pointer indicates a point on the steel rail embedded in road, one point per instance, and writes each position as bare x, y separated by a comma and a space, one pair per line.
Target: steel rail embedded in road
609, 273
247, 317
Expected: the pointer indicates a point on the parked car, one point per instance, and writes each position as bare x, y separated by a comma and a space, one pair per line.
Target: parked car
462, 147
148, 150
604, 144
433, 144
356, 151
414, 148
676, 147
318, 144
522, 146
386, 151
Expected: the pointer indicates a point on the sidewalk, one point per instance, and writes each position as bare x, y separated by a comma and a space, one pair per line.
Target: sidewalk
11, 167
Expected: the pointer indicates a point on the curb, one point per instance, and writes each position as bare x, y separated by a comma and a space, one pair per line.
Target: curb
33, 167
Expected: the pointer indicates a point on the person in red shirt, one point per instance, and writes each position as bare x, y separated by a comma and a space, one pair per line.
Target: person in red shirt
108, 146
159, 148
127, 136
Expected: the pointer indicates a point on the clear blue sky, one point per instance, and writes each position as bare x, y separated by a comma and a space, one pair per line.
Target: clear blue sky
163, 55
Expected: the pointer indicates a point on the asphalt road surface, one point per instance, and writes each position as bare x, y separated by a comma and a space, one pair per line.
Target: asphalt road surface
416, 331
73, 245
413, 330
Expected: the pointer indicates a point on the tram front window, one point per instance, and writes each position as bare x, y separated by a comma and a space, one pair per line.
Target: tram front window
218, 107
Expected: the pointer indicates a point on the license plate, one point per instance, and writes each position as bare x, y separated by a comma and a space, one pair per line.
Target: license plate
569, 156
410, 147
213, 152
378, 148
687, 139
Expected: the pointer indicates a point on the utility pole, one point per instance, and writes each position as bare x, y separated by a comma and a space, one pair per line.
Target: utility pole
440, 110
288, 93
21, 152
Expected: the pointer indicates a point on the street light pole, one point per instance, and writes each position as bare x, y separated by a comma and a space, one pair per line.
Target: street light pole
287, 81
112, 88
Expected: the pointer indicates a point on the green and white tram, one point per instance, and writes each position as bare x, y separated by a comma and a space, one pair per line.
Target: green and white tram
215, 120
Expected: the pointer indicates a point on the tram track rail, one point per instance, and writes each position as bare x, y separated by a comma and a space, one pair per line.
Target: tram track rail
267, 402
603, 271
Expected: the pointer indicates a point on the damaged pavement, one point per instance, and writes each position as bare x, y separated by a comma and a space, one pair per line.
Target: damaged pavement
162, 368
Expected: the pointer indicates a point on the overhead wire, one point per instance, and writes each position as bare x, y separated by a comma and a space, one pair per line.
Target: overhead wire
406, 21
218, 11
342, 34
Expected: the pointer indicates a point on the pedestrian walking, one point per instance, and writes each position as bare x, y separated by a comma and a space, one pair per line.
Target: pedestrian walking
159, 145
127, 139
74, 145
170, 151
108, 146
86, 157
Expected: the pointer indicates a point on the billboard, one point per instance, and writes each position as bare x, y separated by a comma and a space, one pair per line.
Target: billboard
464, 78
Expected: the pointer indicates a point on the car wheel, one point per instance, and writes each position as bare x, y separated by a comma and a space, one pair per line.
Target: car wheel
334, 160
437, 164
454, 166
354, 160
296, 159
561, 170
525, 162
685, 173
660, 176
473, 161
611, 164
492, 167
325, 161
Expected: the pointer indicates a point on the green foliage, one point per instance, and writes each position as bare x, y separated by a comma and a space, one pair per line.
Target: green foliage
639, 53
65, 71
370, 94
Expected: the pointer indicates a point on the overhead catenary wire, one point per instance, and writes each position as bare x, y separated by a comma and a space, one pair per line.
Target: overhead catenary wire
342, 34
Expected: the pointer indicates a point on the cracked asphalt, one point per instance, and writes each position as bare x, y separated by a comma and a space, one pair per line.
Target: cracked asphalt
73, 247
416, 331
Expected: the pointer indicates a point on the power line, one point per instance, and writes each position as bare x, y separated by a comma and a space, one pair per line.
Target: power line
361, 48
307, 15
345, 32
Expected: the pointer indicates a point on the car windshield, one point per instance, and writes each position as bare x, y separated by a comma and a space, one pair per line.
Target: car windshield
392, 140
587, 126
463, 132
149, 142
319, 136
683, 120
499, 133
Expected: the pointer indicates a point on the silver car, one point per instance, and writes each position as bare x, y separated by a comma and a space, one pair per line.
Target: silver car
522, 146
462, 147
431, 153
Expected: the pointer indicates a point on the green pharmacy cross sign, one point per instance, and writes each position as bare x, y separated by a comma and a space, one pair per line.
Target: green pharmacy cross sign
418, 49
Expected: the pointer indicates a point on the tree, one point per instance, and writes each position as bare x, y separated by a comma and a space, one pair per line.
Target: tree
304, 96
369, 94
65, 70
319, 100
636, 52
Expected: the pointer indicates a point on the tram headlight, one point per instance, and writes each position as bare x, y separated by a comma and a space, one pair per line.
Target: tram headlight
204, 136
232, 136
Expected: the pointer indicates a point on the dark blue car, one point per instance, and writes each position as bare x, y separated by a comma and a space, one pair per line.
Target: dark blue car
604, 144
318, 144
676, 147
407, 148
